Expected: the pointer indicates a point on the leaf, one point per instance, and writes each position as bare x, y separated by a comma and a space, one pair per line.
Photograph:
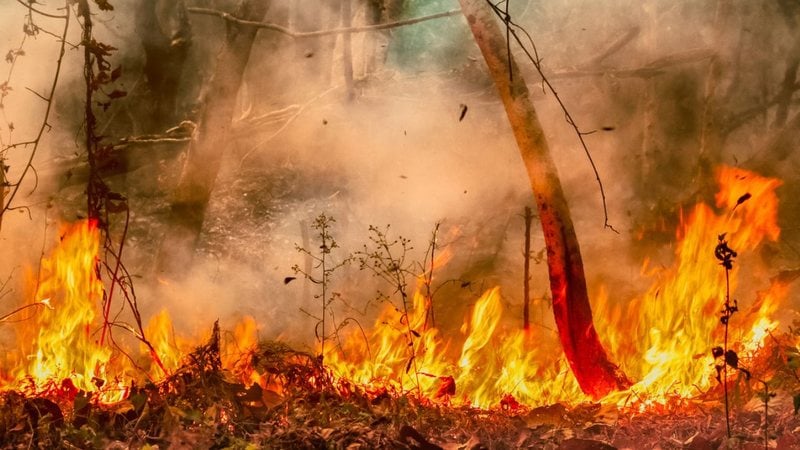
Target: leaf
116, 73
732, 359
743, 199
463, 112
447, 388
410, 361
415, 333
288, 280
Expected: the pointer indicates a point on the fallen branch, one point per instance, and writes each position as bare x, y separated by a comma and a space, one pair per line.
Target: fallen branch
300, 34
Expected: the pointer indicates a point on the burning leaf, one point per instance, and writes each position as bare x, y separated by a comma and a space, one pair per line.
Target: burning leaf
447, 388
742, 199
509, 403
463, 112
288, 280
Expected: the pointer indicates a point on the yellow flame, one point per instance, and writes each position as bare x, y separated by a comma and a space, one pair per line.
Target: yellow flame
63, 337
662, 339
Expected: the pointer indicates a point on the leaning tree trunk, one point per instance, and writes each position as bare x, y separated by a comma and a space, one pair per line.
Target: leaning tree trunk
211, 137
596, 375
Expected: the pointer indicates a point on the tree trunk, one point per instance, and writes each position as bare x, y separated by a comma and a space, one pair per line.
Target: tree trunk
166, 37
596, 375
211, 137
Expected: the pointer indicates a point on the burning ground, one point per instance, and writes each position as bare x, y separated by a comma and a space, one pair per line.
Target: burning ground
403, 382
302, 320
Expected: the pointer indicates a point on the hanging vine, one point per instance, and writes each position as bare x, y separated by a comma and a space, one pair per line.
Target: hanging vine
102, 202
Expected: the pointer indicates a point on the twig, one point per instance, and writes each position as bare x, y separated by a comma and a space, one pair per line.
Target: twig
285, 125
35, 142
299, 34
29, 7
44, 303
428, 279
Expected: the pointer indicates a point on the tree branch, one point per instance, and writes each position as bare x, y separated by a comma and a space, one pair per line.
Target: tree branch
298, 34
29, 7
29, 164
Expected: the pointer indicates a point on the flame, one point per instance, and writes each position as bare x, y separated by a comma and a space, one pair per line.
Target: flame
662, 339
63, 342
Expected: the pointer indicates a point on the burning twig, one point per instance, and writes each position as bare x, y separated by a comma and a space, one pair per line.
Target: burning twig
427, 278
45, 303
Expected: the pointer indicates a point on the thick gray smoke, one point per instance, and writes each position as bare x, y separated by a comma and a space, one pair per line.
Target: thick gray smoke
663, 90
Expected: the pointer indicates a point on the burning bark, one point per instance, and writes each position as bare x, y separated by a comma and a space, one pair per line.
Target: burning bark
595, 373
205, 152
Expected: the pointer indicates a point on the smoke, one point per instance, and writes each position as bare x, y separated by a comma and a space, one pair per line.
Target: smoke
638, 76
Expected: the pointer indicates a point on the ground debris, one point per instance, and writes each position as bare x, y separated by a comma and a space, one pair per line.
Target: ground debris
298, 404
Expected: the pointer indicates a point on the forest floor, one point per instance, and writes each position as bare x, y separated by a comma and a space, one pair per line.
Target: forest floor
203, 406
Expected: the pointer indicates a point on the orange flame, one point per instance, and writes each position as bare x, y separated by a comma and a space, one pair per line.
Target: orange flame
662, 339
62, 341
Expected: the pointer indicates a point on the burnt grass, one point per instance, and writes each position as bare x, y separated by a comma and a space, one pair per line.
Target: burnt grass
303, 407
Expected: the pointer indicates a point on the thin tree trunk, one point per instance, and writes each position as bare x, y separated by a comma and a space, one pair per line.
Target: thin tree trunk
595, 373
206, 150
526, 283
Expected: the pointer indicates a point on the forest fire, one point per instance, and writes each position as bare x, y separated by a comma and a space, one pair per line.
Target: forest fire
662, 339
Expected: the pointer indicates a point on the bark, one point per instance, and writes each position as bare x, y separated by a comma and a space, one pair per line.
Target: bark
211, 137
595, 373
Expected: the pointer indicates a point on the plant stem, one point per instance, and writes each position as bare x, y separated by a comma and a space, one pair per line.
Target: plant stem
725, 351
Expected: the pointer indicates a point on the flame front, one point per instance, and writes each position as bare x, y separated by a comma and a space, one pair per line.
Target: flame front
662, 339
